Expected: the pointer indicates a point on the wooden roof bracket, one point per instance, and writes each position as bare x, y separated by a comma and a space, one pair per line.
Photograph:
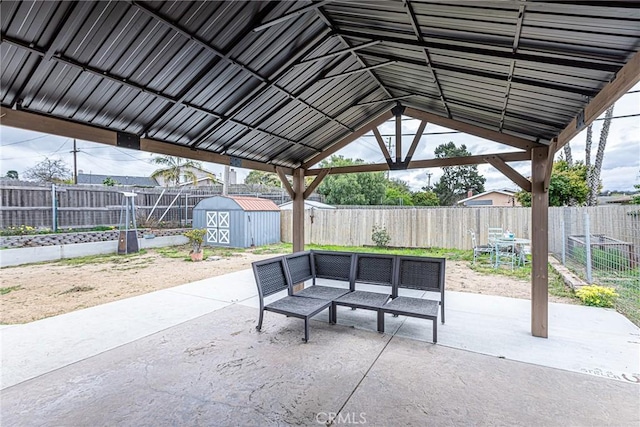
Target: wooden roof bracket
509, 172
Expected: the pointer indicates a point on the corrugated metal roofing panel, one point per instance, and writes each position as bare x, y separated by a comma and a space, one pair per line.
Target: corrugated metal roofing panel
254, 203
195, 73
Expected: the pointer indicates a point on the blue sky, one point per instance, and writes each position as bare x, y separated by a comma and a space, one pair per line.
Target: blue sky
22, 149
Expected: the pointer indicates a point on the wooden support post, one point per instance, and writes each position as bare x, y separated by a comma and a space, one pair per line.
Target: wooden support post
398, 139
298, 216
540, 242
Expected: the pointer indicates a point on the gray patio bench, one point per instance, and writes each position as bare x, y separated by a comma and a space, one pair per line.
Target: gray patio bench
272, 277
304, 266
396, 272
420, 273
374, 269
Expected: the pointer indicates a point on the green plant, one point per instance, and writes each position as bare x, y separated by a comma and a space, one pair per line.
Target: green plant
380, 236
196, 238
597, 296
4, 291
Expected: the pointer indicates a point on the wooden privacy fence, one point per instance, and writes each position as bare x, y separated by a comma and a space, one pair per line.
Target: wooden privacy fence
29, 203
446, 227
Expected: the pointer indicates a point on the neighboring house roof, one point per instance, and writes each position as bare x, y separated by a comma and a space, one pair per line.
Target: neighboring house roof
91, 178
200, 180
308, 204
475, 196
619, 199
254, 203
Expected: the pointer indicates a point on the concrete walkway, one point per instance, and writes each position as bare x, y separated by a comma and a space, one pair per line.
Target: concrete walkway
190, 355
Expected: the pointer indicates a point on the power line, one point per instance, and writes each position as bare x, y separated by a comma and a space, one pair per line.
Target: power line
24, 140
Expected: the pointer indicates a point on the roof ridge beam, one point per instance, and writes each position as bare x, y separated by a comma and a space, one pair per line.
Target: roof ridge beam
323, 16
471, 129
291, 15
427, 56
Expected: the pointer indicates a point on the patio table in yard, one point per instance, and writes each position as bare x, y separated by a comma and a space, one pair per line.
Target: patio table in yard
511, 248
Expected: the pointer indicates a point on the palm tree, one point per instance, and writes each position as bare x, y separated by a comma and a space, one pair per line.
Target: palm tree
174, 169
593, 180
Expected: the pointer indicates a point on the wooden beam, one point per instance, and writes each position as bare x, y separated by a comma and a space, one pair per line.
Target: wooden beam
398, 138
285, 182
70, 129
298, 210
539, 243
517, 156
509, 172
470, 129
53, 126
625, 79
416, 141
383, 147
549, 165
314, 184
348, 139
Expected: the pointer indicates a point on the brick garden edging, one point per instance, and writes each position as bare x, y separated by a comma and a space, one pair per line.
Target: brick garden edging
81, 237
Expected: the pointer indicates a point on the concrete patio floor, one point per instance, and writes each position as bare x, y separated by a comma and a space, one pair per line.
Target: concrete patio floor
190, 355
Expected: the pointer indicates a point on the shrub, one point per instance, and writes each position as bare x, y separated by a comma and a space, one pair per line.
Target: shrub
380, 236
196, 238
597, 296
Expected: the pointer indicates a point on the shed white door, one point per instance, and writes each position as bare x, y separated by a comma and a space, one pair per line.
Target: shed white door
218, 227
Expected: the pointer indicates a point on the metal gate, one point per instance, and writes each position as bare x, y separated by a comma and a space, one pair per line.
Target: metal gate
218, 227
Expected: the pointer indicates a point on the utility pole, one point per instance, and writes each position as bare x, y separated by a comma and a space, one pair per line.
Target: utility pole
429, 179
75, 164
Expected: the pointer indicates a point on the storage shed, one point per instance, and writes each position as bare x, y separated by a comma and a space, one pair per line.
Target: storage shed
237, 221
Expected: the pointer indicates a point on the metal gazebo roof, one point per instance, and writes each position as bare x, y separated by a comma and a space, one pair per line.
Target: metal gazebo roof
279, 83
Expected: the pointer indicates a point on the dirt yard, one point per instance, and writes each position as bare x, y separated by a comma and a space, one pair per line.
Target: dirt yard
37, 291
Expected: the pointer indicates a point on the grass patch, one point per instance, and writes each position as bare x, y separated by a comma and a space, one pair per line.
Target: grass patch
451, 254
558, 288
77, 289
6, 290
101, 259
277, 248
174, 251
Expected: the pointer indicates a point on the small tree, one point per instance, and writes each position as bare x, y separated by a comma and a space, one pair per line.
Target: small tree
456, 180
425, 198
48, 170
12, 174
567, 186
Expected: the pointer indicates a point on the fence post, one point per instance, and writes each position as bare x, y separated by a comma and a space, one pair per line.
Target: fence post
564, 239
587, 242
54, 209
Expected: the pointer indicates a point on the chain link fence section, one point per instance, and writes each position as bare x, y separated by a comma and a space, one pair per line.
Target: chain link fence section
602, 246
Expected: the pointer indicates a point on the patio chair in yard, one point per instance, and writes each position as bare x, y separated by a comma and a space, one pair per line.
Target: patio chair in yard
480, 249
272, 277
301, 268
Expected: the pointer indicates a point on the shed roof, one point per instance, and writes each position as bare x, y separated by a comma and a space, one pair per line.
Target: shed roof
281, 82
254, 203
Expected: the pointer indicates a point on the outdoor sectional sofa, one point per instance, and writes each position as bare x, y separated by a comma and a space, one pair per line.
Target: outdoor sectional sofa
392, 271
